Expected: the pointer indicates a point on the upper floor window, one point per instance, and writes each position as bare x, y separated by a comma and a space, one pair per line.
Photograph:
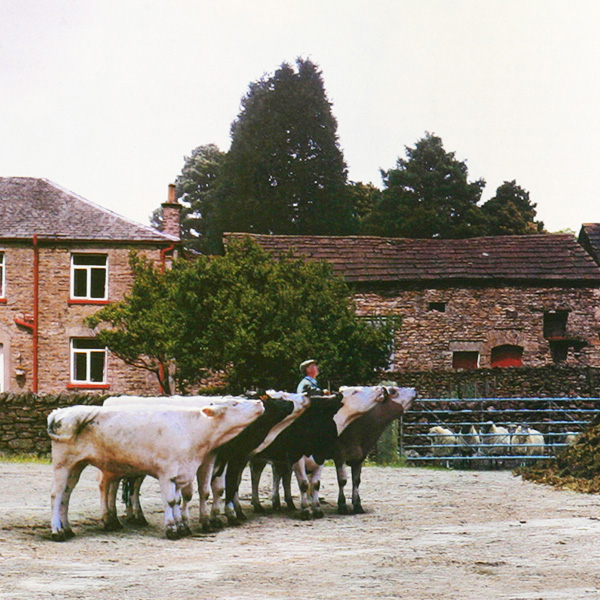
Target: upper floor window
88, 362
555, 324
437, 306
89, 276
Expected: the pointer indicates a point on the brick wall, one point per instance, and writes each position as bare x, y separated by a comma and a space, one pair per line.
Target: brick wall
480, 318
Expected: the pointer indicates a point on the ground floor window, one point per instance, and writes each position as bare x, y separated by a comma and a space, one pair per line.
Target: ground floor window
465, 359
88, 361
507, 355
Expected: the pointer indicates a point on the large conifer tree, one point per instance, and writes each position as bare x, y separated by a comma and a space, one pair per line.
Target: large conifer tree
285, 172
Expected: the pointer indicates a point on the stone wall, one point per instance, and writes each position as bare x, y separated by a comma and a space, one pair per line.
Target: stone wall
60, 319
541, 382
23, 420
479, 318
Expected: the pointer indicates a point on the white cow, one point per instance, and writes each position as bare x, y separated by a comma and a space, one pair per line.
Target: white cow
135, 513
168, 443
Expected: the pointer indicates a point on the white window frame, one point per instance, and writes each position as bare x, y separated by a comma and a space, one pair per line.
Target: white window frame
88, 270
3, 278
88, 362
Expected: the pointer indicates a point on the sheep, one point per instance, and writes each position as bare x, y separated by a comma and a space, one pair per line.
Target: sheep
527, 441
443, 442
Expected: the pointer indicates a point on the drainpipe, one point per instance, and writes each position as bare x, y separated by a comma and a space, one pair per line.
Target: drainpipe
163, 256
36, 271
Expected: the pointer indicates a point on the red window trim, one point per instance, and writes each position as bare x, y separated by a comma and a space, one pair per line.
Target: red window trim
87, 301
2, 300
88, 386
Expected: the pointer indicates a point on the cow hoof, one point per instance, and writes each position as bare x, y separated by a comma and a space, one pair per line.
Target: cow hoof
59, 536
359, 510
305, 515
291, 506
276, 505
342, 509
241, 516
113, 525
172, 533
139, 521
216, 524
318, 514
260, 509
233, 521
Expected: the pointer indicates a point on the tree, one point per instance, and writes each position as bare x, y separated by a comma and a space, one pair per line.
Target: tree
363, 198
510, 212
428, 195
196, 191
284, 172
246, 314
140, 329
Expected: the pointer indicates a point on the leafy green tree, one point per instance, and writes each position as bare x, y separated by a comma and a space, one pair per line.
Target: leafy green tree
363, 198
428, 195
511, 212
246, 314
141, 329
284, 172
196, 191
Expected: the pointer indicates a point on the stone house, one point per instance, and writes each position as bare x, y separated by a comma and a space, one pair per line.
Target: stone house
61, 259
473, 303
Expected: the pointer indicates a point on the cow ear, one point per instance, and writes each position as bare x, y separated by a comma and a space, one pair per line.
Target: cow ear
213, 411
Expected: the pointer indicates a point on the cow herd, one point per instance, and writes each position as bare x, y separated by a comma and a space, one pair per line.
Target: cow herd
182, 441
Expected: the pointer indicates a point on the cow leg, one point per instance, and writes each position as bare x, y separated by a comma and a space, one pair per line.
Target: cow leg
183, 526
233, 508
135, 514
277, 476
356, 505
342, 478
256, 469
204, 476
108, 482
300, 472
286, 480
315, 486
65, 479
170, 497
218, 489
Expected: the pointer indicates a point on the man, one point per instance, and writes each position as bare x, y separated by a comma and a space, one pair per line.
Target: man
309, 385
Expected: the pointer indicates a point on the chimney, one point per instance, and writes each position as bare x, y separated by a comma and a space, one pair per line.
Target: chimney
171, 212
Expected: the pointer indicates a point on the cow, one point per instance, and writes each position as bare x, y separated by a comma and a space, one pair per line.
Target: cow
168, 443
135, 514
360, 437
313, 434
232, 457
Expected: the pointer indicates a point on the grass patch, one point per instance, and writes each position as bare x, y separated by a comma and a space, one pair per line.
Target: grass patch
25, 458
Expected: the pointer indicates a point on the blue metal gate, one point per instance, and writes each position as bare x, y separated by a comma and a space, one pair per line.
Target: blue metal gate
492, 432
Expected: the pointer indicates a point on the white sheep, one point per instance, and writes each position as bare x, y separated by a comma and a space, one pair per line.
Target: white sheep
495, 439
443, 442
527, 441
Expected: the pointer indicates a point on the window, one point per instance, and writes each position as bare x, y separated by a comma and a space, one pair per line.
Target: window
2, 271
88, 361
89, 277
507, 356
555, 324
437, 306
392, 323
465, 359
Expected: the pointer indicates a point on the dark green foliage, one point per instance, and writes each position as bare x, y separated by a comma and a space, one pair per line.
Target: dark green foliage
196, 187
143, 329
510, 212
428, 195
285, 172
245, 314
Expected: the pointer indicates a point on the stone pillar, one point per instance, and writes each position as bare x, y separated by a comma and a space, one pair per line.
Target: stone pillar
171, 211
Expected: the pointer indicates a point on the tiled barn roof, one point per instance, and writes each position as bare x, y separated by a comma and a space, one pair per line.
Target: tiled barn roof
549, 257
31, 206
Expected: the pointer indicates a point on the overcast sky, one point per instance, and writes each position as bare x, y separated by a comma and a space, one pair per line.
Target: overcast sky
106, 97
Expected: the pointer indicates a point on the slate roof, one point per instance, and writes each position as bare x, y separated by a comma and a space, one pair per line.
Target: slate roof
363, 259
589, 238
31, 206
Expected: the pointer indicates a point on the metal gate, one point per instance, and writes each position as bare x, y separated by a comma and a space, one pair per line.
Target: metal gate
491, 432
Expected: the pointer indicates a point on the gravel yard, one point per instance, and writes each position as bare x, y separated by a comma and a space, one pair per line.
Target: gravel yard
427, 535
